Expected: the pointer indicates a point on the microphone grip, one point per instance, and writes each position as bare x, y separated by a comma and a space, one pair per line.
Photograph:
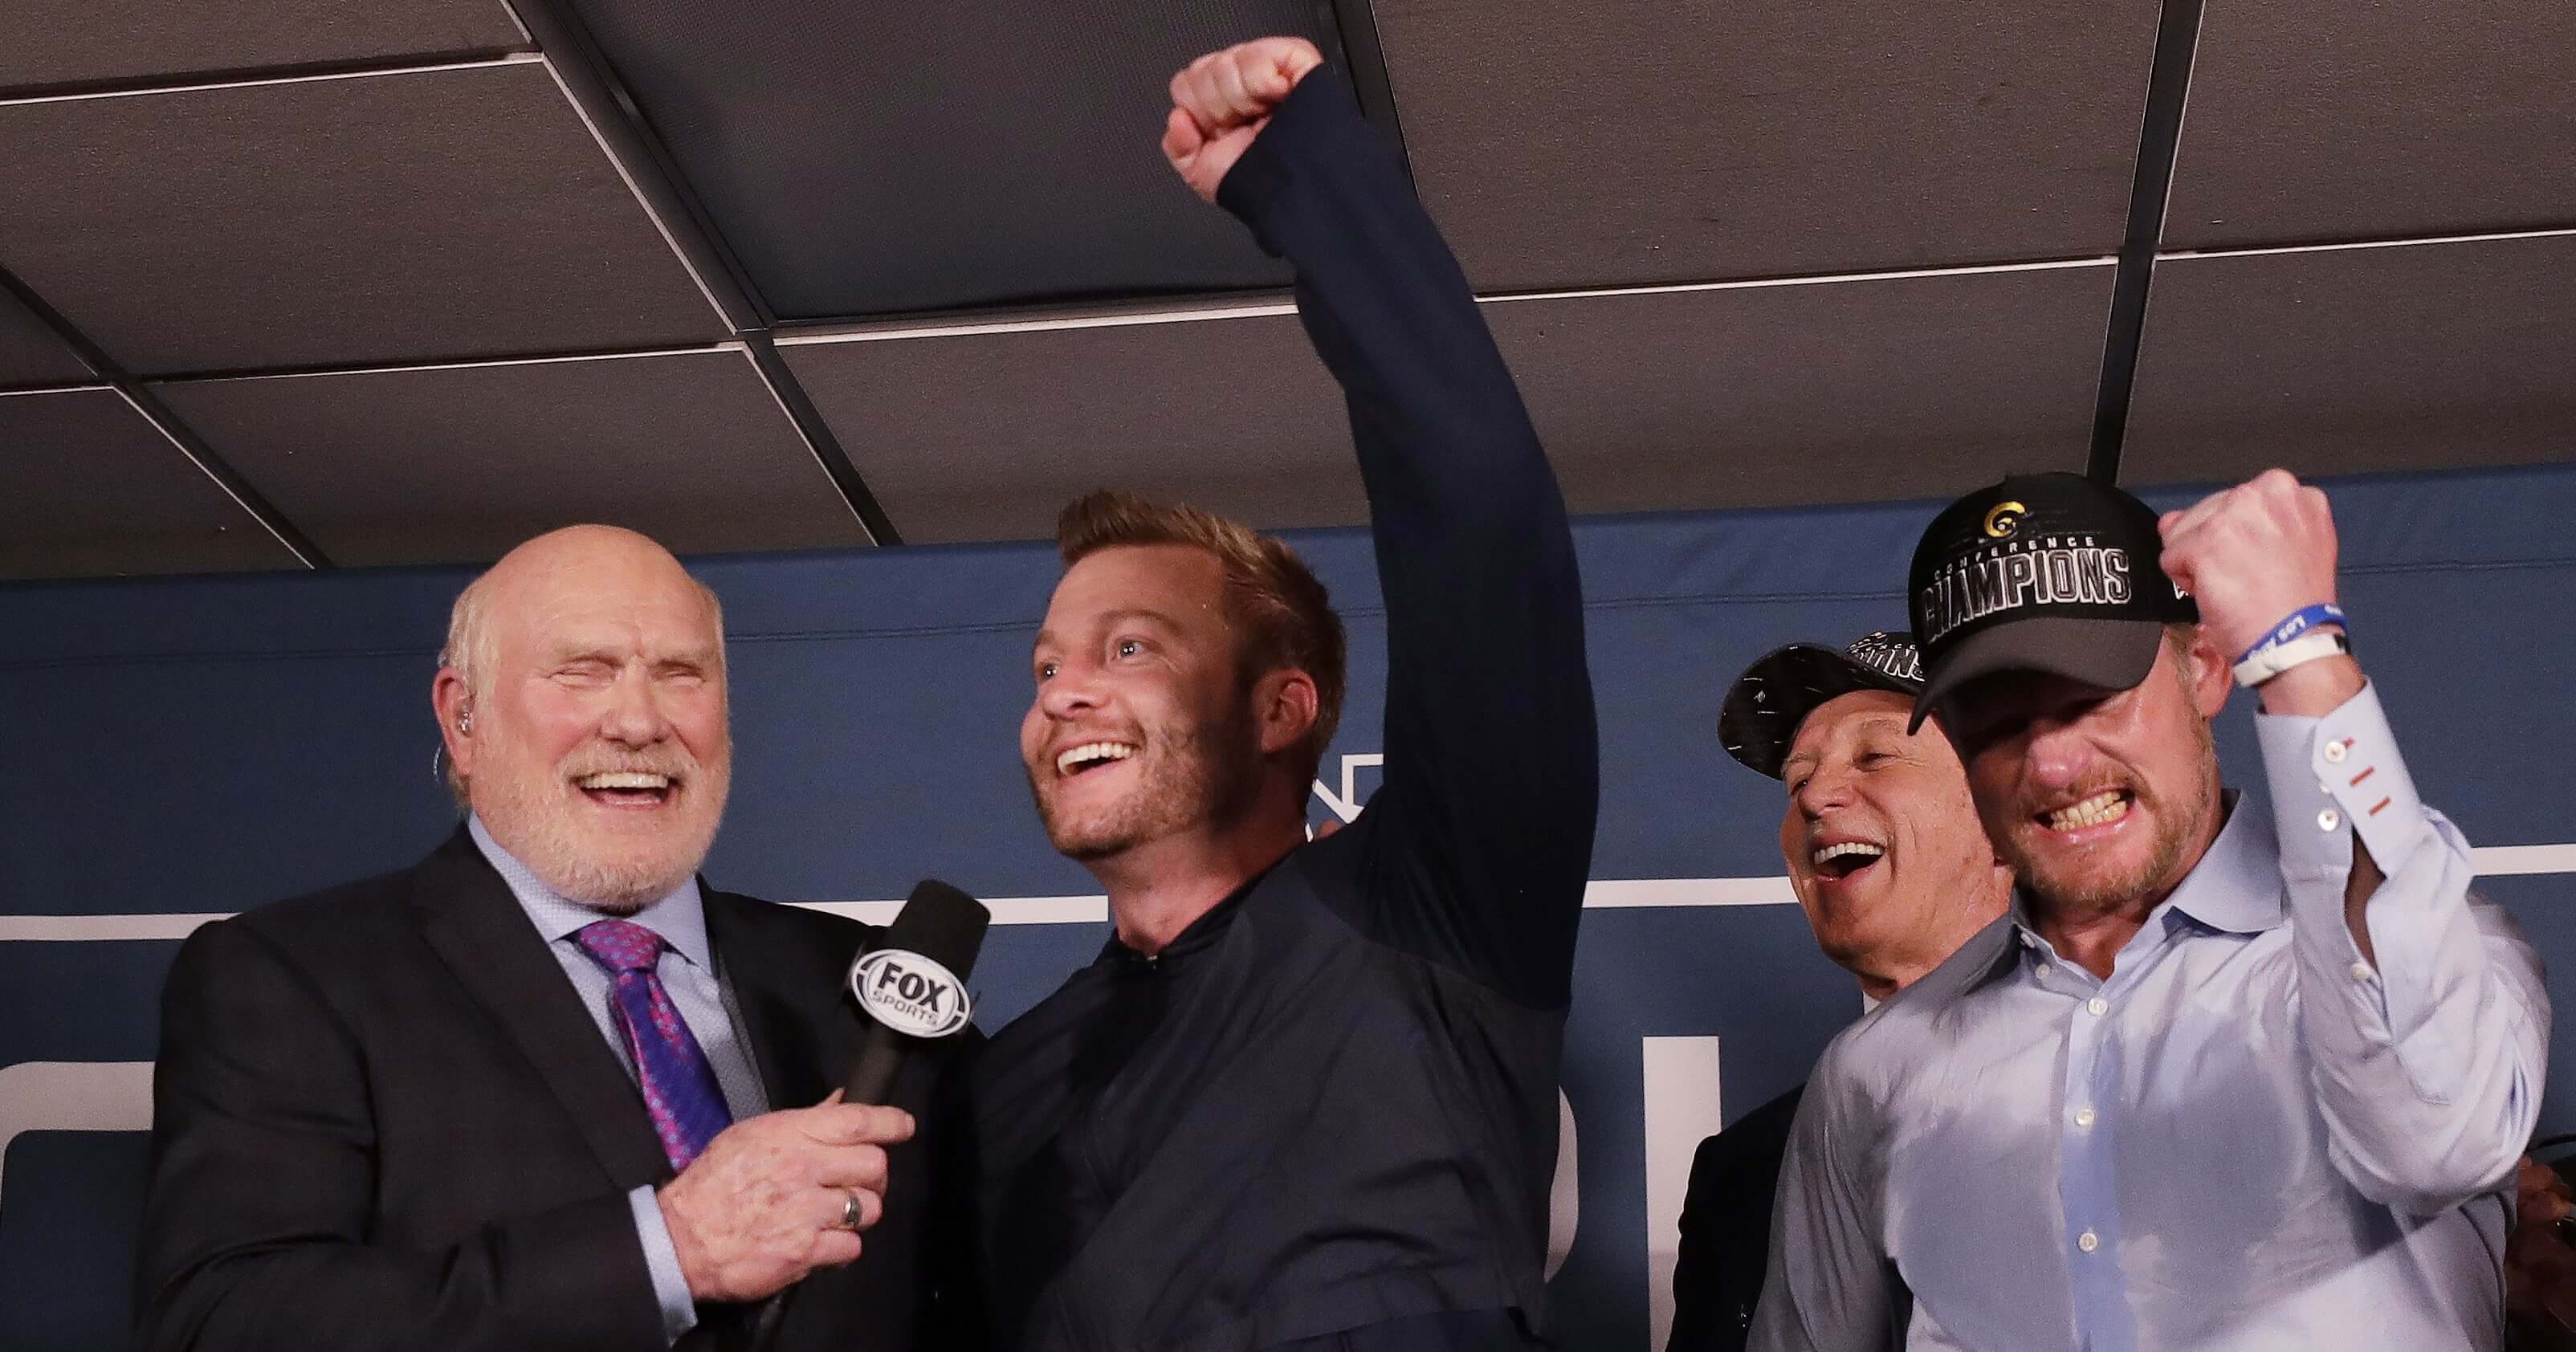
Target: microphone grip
871, 1076
874, 1065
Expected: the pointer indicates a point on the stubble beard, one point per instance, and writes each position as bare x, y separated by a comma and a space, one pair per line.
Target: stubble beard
1202, 776
2071, 895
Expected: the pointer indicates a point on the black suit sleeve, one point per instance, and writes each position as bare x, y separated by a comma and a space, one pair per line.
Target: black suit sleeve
1700, 1313
1477, 844
256, 1227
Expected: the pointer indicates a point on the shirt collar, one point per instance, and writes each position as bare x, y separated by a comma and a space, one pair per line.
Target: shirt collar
2235, 888
680, 918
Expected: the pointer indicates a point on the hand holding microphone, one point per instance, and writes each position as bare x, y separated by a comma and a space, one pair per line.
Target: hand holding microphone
775, 1197
910, 992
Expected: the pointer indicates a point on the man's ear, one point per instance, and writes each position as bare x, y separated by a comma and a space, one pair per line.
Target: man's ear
2210, 674
453, 706
1284, 704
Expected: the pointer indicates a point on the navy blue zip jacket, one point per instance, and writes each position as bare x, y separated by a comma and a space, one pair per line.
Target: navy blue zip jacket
1325, 1115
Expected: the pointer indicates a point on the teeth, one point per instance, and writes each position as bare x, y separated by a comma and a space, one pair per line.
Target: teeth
624, 779
1826, 853
1089, 752
2106, 806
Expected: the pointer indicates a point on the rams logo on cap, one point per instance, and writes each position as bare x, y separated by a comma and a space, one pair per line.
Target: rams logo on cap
2004, 518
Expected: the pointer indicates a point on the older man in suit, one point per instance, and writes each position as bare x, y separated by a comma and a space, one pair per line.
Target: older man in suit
1888, 861
542, 1090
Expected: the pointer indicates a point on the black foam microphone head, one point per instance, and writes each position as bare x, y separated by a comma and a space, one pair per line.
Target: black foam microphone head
913, 980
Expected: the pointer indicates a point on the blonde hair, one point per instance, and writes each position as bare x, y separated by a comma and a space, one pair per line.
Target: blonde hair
1282, 611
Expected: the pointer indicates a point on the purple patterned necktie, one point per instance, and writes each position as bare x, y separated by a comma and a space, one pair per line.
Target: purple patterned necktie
679, 1086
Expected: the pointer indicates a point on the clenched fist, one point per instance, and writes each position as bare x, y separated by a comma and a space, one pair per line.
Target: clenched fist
763, 1205
2253, 556
1222, 100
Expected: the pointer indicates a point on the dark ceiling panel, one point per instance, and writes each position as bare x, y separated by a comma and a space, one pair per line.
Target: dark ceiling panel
56, 43
30, 354
2347, 361
1605, 142
1911, 387
862, 159
2313, 121
89, 488
457, 464
983, 436
462, 212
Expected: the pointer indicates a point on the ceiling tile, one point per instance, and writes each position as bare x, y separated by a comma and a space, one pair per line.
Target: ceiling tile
2347, 361
1601, 143
1725, 397
457, 464
55, 43
461, 212
942, 169
90, 488
30, 354
2313, 121
1911, 387
984, 436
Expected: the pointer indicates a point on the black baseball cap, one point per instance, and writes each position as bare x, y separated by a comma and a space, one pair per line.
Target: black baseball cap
1779, 690
2042, 572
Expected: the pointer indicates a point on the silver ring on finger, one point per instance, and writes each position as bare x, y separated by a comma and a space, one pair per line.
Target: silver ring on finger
850, 1212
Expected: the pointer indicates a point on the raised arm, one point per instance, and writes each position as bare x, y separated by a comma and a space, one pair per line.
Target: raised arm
2426, 1019
1479, 841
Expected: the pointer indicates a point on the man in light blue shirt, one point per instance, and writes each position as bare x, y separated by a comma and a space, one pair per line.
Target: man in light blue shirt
2226, 1078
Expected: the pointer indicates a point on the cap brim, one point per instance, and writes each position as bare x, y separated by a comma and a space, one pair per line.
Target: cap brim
1773, 697
2105, 654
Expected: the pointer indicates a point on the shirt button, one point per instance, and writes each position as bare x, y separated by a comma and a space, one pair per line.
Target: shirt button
2328, 820
2088, 1241
2334, 753
2097, 1006
2361, 971
2084, 1117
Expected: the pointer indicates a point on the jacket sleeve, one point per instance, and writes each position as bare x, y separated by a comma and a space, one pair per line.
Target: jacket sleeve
257, 1232
1479, 838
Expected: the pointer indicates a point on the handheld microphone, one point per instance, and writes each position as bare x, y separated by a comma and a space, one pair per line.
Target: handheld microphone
910, 986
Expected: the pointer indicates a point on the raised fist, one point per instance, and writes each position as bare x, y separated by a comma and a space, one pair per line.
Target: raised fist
2252, 556
1222, 100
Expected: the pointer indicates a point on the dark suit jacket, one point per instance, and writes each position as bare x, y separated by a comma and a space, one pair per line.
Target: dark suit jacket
382, 1119
1726, 1229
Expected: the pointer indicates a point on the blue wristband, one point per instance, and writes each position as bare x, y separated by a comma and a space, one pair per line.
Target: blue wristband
2324, 612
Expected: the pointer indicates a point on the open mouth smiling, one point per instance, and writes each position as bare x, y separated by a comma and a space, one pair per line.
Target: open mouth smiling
627, 788
1842, 859
1088, 756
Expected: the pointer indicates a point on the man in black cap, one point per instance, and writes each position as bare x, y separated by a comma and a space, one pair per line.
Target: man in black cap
2231, 1078
1884, 853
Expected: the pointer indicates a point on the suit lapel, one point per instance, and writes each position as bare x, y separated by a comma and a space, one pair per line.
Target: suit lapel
480, 931
761, 967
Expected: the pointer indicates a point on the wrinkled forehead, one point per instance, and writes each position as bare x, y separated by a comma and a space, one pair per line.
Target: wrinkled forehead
659, 612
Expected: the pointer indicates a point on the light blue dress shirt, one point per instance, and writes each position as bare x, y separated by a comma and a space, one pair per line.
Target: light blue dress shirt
2249, 1137
688, 972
